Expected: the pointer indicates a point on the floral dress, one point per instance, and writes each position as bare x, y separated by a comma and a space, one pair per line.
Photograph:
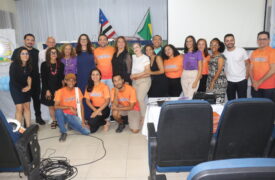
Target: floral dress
220, 85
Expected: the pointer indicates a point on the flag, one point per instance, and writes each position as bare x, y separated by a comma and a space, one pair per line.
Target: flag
146, 31
105, 27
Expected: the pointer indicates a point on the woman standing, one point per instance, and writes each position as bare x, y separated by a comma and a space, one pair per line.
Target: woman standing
85, 63
52, 75
202, 47
20, 85
69, 59
173, 69
141, 76
85, 60
159, 86
216, 81
122, 61
192, 66
97, 97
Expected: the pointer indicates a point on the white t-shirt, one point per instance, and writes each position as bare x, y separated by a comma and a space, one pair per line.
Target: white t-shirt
139, 63
235, 70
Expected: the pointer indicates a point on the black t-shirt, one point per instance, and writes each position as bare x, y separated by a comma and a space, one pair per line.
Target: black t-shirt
34, 61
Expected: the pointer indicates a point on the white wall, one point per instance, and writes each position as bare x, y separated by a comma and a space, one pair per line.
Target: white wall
215, 18
67, 19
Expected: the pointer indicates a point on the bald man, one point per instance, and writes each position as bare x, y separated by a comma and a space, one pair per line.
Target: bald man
42, 54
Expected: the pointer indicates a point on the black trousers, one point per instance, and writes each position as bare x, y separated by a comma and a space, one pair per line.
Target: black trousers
174, 87
264, 93
236, 87
98, 121
203, 81
35, 95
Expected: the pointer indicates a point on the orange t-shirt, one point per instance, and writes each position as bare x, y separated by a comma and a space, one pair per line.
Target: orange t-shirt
261, 60
98, 95
173, 67
66, 97
205, 62
103, 57
127, 96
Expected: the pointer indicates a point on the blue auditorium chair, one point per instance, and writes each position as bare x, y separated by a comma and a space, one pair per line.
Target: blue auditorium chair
244, 129
182, 139
235, 169
19, 152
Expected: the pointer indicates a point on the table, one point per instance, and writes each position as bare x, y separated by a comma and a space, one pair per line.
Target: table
153, 112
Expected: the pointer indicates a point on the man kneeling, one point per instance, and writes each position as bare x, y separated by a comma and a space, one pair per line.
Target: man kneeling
65, 108
124, 102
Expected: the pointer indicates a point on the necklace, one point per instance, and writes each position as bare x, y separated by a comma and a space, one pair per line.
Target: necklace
55, 71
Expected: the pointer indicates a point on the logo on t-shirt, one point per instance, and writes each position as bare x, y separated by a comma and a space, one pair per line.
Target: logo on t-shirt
96, 94
260, 59
104, 56
69, 99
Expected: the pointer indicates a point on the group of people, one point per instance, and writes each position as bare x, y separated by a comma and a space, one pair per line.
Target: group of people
112, 81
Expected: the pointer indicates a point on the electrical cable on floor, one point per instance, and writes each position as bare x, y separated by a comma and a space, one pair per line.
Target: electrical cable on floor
55, 168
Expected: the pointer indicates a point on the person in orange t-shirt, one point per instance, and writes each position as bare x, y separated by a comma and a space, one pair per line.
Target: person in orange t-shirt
124, 102
97, 97
202, 46
173, 61
262, 68
66, 108
103, 59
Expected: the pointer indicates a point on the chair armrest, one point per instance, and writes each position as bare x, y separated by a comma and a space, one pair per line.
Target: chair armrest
152, 150
212, 148
28, 150
151, 130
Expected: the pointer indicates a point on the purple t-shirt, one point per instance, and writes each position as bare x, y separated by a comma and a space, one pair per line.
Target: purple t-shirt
191, 60
70, 65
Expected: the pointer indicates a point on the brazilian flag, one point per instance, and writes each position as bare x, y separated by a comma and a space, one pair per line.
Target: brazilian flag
146, 31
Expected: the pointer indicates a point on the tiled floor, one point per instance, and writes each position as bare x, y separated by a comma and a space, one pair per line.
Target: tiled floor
126, 157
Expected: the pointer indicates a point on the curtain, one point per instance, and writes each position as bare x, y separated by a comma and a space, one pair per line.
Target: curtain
67, 19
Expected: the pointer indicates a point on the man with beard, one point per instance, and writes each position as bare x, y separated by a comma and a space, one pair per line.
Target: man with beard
124, 103
236, 68
29, 41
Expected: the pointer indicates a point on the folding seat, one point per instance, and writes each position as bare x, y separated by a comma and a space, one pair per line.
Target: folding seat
182, 139
244, 129
235, 169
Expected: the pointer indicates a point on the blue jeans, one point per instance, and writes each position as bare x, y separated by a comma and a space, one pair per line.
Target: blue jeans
73, 121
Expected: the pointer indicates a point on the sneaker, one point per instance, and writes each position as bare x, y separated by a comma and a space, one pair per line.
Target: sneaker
63, 137
120, 128
40, 121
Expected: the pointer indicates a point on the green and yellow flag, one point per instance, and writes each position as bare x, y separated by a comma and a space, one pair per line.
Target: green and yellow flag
146, 31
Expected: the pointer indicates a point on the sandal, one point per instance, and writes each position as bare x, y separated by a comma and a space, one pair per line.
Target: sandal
54, 125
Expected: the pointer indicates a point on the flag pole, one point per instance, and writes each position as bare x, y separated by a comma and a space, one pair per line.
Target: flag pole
141, 21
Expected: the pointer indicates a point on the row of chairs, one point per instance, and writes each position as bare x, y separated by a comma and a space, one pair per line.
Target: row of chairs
184, 135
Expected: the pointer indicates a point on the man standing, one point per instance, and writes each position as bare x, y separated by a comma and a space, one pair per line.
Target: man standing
262, 68
157, 42
65, 103
124, 103
103, 59
42, 54
236, 68
29, 41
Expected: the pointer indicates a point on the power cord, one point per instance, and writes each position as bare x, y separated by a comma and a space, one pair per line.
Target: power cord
59, 168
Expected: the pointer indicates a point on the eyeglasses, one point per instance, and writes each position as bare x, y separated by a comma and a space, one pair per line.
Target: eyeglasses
264, 39
53, 52
24, 54
83, 39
